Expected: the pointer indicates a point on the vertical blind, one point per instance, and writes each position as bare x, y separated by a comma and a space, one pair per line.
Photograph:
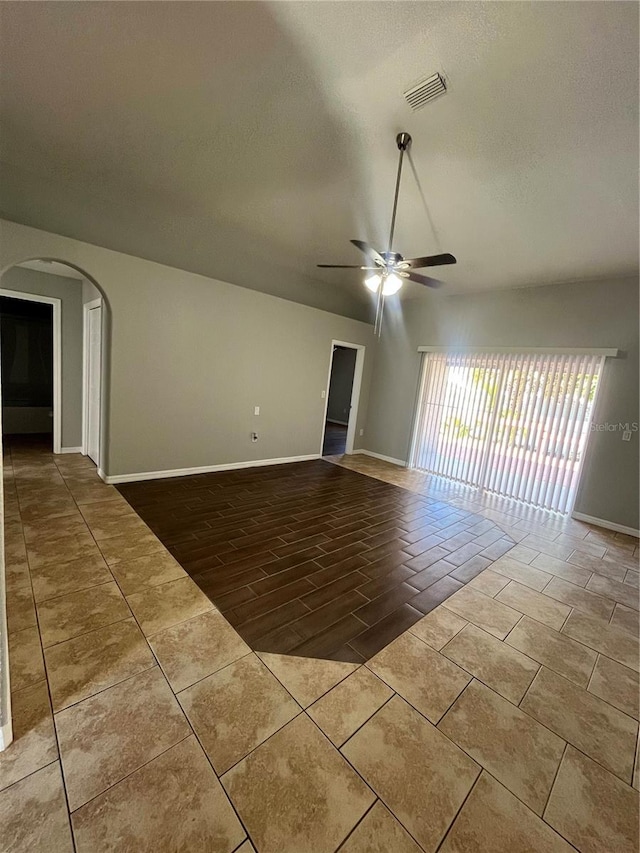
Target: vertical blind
514, 424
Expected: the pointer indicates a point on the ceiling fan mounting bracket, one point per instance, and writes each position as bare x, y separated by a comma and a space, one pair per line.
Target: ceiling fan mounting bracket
403, 141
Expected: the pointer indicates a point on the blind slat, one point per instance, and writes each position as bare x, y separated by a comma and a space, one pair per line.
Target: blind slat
519, 470
542, 445
524, 400
575, 382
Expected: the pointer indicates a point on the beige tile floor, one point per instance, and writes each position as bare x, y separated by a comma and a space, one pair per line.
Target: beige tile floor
506, 720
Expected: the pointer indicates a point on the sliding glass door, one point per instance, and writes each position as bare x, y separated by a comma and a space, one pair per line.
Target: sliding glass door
512, 423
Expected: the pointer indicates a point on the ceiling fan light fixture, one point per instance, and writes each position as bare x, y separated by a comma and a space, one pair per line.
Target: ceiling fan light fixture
373, 282
392, 284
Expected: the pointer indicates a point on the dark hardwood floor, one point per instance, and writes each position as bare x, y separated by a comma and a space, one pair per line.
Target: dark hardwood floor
315, 560
335, 439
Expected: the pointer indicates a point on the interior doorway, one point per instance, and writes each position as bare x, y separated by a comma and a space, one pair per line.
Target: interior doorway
30, 368
342, 397
67, 414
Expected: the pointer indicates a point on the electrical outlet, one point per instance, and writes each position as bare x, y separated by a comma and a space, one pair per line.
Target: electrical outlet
361, 432
626, 435
256, 410
323, 394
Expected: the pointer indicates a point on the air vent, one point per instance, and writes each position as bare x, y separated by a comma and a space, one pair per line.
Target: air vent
425, 91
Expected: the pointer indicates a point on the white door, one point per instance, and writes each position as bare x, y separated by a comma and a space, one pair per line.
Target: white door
94, 353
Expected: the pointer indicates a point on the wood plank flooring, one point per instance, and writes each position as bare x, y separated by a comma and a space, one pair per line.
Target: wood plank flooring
315, 560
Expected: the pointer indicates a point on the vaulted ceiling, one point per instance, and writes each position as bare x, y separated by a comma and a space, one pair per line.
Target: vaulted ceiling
249, 141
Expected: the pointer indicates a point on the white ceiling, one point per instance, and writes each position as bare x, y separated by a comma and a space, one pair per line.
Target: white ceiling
250, 141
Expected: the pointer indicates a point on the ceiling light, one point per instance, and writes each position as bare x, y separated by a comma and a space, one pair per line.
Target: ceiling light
373, 282
392, 284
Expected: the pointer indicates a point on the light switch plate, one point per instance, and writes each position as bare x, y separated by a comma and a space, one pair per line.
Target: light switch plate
256, 410
626, 435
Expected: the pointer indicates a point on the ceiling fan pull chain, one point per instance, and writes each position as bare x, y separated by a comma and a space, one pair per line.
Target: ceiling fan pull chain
375, 325
377, 329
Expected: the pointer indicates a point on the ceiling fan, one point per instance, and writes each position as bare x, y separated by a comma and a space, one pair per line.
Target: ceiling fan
388, 269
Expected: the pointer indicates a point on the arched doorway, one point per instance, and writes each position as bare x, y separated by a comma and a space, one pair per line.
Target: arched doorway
69, 344
54, 319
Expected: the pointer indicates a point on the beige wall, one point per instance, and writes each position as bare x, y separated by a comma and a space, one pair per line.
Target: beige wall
69, 291
190, 357
580, 314
89, 292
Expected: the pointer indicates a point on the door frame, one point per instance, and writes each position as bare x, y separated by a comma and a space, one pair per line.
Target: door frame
356, 388
57, 356
88, 306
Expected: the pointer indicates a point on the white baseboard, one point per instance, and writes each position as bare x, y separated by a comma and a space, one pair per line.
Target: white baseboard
390, 459
608, 525
70, 450
204, 469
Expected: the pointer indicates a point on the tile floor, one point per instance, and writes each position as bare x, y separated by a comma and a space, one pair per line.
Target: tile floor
311, 559
505, 720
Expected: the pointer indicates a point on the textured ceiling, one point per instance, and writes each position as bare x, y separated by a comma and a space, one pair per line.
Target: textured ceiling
250, 141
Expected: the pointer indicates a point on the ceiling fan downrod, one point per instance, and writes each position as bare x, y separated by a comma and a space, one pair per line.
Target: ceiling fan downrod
403, 141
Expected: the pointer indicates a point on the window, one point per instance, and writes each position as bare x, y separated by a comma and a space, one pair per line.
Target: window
514, 424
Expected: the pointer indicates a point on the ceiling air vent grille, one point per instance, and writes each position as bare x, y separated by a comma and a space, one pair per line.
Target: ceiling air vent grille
424, 91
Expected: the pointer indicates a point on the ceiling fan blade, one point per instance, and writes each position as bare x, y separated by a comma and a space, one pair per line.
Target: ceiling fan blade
430, 261
424, 279
344, 267
369, 250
